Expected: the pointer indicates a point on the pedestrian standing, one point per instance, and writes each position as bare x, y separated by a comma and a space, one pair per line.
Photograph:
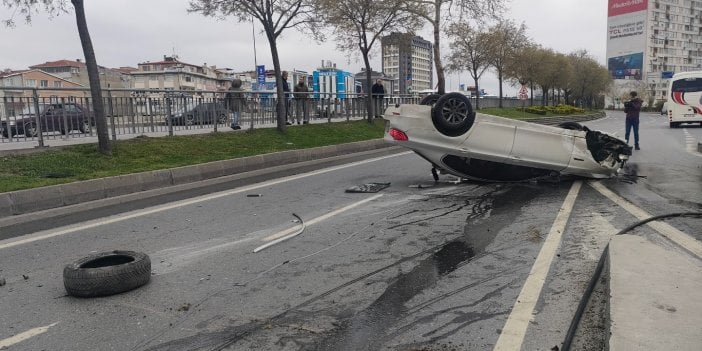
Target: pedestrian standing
234, 100
632, 108
286, 90
301, 96
378, 92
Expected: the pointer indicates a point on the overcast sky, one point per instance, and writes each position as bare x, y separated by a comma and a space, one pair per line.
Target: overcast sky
128, 32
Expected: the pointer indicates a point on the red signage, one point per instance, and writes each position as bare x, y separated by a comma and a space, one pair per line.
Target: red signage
620, 7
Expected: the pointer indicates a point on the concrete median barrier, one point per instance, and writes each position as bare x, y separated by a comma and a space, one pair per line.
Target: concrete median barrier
49, 197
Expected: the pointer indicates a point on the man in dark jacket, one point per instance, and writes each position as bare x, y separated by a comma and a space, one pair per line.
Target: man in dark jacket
286, 89
235, 102
632, 109
378, 92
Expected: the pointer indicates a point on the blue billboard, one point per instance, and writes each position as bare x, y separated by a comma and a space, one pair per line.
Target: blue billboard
626, 66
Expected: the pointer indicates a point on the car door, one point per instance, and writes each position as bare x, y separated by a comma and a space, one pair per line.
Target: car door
542, 146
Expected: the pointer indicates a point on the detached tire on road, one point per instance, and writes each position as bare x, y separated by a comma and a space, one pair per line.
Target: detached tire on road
453, 114
107, 273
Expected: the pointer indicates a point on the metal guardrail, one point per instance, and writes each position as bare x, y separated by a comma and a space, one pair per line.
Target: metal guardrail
24, 116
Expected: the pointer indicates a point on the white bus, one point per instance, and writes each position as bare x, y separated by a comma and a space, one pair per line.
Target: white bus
685, 98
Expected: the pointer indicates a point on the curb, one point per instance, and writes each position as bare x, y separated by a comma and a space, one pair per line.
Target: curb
49, 197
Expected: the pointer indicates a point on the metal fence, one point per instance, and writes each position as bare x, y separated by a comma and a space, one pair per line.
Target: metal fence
37, 114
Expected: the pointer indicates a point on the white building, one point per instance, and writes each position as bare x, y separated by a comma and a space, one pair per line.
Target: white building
649, 40
408, 60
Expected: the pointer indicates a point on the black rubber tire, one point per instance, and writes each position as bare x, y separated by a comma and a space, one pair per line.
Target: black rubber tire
573, 126
30, 129
107, 273
223, 118
430, 99
84, 127
453, 114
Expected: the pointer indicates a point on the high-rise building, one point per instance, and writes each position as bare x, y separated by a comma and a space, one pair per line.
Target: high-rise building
650, 40
408, 60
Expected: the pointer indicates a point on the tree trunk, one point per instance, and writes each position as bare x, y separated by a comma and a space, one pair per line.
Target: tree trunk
369, 87
440, 78
499, 78
94, 78
281, 106
477, 93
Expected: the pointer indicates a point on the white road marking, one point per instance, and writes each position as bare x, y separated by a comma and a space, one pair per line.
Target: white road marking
291, 232
24, 336
513, 332
686, 241
46, 234
691, 143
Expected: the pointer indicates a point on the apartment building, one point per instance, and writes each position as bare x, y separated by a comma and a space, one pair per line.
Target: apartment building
14, 101
76, 71
650, 40
408, 60
173, 74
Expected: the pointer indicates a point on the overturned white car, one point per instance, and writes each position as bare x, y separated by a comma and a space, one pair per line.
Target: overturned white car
446, 131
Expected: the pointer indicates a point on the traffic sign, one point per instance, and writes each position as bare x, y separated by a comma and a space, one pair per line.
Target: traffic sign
523, 93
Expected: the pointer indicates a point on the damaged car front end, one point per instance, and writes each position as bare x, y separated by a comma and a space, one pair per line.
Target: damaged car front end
455, 140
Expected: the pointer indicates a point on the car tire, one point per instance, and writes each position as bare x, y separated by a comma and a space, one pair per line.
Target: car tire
107, 273
85, 127
429, 99
453, 114
223, 118
30, 129
573, 126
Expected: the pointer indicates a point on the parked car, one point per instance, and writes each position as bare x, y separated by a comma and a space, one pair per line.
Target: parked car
56, 117
199, 113
447, 132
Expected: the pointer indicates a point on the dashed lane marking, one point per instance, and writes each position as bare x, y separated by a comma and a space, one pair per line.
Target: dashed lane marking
24, 336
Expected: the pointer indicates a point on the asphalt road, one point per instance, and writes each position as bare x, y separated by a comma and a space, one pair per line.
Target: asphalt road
443, 267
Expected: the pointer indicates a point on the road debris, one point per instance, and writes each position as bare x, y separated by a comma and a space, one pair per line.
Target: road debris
368, 188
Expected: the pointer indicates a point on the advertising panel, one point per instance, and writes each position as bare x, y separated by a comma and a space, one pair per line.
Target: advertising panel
626, 38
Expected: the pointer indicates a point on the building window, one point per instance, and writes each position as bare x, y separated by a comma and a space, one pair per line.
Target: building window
58, 84
44, 83
31, 83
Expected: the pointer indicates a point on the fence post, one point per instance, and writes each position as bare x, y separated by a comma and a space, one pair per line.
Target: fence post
64, 118
151, 113
35, 98
168, 118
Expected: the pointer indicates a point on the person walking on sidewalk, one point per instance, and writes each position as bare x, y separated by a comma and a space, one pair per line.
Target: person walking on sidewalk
301, 96
234, 100
378, 92
632, 108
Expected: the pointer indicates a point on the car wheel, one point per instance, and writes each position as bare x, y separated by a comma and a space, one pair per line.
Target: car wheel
453, 114
673, 125
430, 99
223, 118
189, 120
85, 127
573, 126
107, 273
30, 129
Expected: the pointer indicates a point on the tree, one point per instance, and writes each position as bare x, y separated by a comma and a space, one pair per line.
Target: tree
433, 10
523, 66
505, 40
468, 52
359, 25
275, 16
26, 8
589, 79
